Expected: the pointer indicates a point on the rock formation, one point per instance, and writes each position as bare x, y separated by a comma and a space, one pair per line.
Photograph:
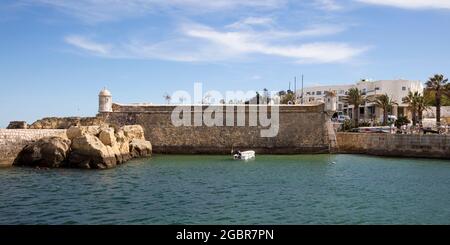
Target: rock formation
47, 152
66, 122
17, 125
91, 147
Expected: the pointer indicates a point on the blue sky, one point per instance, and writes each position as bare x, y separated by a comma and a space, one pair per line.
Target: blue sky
55, 55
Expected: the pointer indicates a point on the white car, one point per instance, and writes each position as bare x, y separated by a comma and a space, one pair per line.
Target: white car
342, 118
392, 118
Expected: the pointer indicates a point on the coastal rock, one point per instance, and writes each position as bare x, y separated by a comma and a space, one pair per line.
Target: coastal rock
107, 136
120, 136
88, 151
93, 147
140, 148
17, 125
123, 144
46, 152
124, 149
66, 122
77, 131
133, 132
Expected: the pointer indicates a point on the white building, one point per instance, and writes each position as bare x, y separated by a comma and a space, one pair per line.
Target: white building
395, 89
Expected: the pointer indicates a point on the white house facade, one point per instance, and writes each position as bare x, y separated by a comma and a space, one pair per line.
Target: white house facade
395, 89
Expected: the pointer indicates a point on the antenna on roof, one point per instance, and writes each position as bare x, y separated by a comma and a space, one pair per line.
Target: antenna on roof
302, 89
295, 88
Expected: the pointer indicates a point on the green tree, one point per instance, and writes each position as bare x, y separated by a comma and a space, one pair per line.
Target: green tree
288, 97
439, 85
354, 97
386, 103
421, 106
430, 97
412, 100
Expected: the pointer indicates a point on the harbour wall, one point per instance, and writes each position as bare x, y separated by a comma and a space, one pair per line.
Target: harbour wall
12, 141
399, 145
302, 129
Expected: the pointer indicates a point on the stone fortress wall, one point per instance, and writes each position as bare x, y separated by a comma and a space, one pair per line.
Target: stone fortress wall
12, 141
400, 145
303, 129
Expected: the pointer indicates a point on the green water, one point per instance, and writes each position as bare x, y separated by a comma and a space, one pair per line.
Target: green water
301, 189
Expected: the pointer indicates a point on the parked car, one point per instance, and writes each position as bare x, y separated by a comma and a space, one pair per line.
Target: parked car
392, 118
342, 118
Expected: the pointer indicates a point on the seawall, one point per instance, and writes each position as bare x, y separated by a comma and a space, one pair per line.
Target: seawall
302, 129
12, 141
400, 145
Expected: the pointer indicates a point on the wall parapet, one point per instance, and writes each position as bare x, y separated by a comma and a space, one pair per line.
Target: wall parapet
169, 108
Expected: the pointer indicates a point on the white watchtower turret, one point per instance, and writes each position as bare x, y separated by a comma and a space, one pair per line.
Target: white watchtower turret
330, 101
104, 101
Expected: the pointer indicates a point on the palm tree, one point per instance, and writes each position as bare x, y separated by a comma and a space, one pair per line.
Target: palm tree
439, 85
167, 97
412, 100
266, 95
286, 97
354, 97
384, 102
421, 106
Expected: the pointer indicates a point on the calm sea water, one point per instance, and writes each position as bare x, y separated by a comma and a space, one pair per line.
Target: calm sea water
302, 189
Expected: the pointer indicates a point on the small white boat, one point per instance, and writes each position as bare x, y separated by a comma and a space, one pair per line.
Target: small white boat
244, 155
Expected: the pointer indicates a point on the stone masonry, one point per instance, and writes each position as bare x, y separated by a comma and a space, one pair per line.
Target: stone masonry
303, 129
401, 145
12, 141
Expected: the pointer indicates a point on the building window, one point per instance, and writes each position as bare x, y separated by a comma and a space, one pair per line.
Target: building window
377, 88
312, 93
319, 92
403, 88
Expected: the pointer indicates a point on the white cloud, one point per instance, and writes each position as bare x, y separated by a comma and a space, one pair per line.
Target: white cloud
330, 5
203, 43
251, 21
107, 10
87, 45
411, 4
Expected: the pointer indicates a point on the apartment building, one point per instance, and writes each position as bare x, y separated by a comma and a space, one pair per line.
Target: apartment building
395, 89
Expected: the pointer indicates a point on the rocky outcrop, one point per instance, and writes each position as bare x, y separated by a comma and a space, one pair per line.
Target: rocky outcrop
17, 125
77, 131
107, 136
140, 148
88, 151
133, 132
90, 147
47, 152
66, 122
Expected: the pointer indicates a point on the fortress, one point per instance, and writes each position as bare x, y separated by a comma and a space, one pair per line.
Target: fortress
302, 128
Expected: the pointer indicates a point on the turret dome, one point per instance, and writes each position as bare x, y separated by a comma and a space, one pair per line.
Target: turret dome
105, 92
